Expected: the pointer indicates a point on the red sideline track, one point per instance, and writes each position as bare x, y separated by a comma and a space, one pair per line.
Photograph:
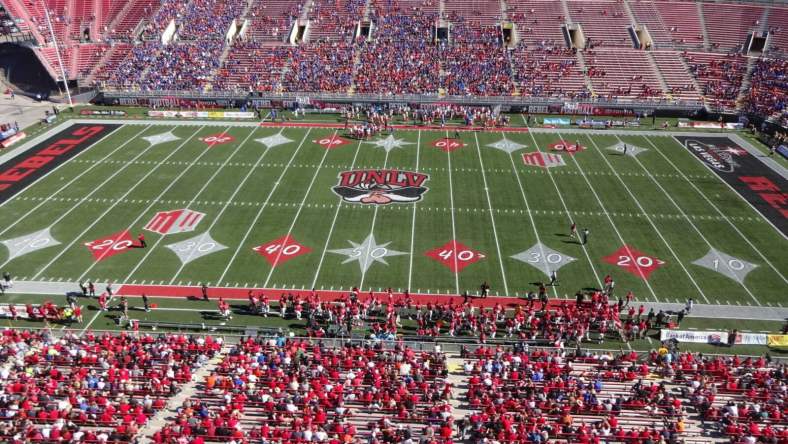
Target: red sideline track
242, 293
399, 127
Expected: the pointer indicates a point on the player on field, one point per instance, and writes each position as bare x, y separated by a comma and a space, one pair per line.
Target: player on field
83, 288
141, 239
91, 289
573, 230
553, 278
109, 289
102, 300
585, 236
204, 289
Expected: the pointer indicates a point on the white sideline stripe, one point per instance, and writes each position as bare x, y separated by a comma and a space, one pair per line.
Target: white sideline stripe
79, 201
610, 219
668, 195
371, 232
492, 217
298, 213
203, 188
717, 209
262, 208
453, 226
22, 191
333, 224
651, 222
563, 203
413, 219
114, 204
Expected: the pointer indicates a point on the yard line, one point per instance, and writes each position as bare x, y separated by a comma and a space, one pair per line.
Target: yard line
610, 219
648, 218
659, 185
70, 160
154, 202
723, 215
371, 231
413, 220
74, 207
98, 313
262, 208
84, 198
492, 218
563, 203
207, 182
453, 226
333, 224
97, 219
298, 213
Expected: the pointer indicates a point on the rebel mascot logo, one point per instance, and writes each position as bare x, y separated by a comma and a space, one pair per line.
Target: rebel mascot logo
381, 187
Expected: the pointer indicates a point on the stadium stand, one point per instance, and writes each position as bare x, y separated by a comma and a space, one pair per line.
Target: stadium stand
515, 48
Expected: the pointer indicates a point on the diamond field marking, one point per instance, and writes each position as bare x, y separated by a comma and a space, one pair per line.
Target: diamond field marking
544, 258
195, 247
279, 251
567, 147
161, 138
455, 256
273, 140
389, 143
367, 252
28, 243
108, 246
727, 265
331, 142
635, 262
631, 150
448, 145
506, 146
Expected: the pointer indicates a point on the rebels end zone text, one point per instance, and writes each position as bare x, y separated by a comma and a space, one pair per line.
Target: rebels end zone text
26, 168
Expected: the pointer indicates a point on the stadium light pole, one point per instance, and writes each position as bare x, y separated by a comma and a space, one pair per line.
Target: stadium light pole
57, 53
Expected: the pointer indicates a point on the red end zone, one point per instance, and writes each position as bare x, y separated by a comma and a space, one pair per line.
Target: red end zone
242, 293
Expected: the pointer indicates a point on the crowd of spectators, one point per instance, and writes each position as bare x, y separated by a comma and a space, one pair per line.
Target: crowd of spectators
403, 48
475, 62
323, 66
300, 391
548, 71
90, 388
720, 77
768, 92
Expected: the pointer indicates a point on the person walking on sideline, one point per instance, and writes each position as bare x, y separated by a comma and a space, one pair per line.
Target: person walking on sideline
204, 289
145, 302
585, 236
553, 278
573, 230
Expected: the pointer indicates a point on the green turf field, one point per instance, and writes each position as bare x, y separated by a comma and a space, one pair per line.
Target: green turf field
510, 220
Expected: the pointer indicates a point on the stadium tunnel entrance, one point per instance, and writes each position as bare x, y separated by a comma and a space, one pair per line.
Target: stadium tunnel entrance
23, 70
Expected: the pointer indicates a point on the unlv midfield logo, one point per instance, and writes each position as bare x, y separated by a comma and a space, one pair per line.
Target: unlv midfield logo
381, 186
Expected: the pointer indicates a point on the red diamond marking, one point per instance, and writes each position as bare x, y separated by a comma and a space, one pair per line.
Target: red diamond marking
281, 250
331, 142
638, 263
448, 145
106, 247
217, 139
567, 147
455, 256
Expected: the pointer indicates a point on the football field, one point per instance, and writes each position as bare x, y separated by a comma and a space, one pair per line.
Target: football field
239, 205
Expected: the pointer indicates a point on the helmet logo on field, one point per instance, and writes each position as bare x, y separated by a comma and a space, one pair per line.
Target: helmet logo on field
381, 187
718, 157
175, 221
